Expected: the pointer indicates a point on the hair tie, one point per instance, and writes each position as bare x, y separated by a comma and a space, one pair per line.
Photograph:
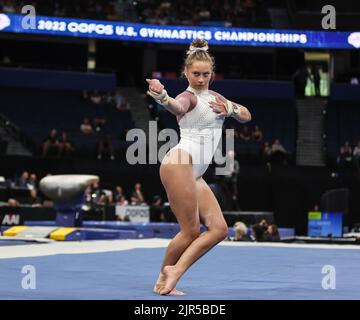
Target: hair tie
193, 49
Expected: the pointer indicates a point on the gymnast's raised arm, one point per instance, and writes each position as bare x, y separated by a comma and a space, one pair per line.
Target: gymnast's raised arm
177, 106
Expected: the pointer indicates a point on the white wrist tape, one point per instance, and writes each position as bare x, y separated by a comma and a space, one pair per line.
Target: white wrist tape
229, 108
161, 98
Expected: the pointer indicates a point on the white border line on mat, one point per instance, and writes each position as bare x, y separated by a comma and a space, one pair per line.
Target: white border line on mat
81, 247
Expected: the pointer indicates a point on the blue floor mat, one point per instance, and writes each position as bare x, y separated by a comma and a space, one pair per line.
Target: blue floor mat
226, 272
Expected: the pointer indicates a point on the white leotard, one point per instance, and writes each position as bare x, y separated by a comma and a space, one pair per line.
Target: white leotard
200, 132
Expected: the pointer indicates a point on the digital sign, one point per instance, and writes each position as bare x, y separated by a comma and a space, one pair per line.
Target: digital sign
325, 224
124, 31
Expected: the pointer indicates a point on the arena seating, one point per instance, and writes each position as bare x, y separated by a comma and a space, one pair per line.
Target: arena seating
37, 111
343, 119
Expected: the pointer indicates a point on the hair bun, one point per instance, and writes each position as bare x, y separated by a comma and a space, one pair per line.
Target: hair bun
198, 45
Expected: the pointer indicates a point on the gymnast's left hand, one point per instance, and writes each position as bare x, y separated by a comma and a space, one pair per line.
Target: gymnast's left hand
218, 107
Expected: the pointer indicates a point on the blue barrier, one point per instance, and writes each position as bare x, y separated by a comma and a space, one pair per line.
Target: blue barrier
102, 230
62, 80
344, 92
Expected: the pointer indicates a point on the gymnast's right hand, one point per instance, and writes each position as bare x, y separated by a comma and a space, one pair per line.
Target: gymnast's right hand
155, 85
157, 91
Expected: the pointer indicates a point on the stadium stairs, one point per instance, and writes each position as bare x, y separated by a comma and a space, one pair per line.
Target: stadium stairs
310, 143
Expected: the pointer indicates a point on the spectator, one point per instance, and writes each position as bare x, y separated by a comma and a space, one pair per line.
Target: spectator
98, 124
157, 213
92, 192
356, 153
99, 196
109, 98
88, 195
241, 232
278, 152
13, 203
8, 7
277, 147
118, 193
266, 151
51, 145
272, 233
104, 198
347, 147
300, 78
259, 231
245, 133
65, 145
120, 101
137, 195
33, 181
316, 79
122, 201
34, 199
95, 97
345, 158
105, 148
23, 180
86, 127
204, 13
257, 134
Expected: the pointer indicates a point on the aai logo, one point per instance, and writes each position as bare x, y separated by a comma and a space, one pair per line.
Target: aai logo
10, 220
354, 39
4, 21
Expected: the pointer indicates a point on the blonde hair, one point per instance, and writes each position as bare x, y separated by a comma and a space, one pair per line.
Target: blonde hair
198, 51
240, 227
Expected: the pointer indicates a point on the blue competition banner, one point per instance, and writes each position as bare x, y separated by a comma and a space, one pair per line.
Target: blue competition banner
182, 34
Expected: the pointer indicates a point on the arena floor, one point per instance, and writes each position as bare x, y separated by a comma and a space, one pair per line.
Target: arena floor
127, 269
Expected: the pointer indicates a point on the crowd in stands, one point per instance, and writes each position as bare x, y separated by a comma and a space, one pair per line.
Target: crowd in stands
53, 145
94, 194
273, 152
26, 181
60, 145
259, 232
117, 196
97, 195
63, 147
112, 98
349, 156
227, 13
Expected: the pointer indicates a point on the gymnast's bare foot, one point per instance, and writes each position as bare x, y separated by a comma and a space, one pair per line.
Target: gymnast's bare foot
160, 284
174, 292
172, 277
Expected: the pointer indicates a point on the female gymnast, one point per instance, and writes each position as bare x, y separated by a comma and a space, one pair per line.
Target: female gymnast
200, 113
